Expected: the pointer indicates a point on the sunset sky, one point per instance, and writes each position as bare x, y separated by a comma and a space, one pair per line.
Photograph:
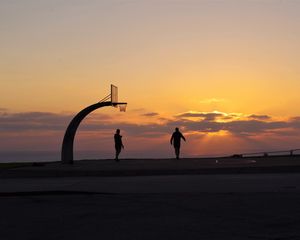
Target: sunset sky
227, 72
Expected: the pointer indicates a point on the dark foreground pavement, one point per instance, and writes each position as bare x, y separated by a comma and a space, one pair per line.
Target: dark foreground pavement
218, 206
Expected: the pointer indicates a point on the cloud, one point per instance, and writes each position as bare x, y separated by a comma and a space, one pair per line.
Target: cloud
216, 115
136, 110
295, 119
36, 121
212, 100
45, 130
150, 114
259, 117
235, 123
252, 127
201, 122
207, 116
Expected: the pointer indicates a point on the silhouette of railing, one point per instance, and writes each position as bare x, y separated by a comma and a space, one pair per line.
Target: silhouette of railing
292, 152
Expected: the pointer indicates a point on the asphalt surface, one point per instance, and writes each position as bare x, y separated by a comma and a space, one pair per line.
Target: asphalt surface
218, 206
151, 167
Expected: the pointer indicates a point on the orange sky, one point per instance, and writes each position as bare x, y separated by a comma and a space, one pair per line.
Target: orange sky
168, 58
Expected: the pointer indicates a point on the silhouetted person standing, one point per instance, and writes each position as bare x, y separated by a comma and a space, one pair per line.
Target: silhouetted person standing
175, 141
118, 144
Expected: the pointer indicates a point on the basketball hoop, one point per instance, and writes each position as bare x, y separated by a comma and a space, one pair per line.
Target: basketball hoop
113, 98
122, 107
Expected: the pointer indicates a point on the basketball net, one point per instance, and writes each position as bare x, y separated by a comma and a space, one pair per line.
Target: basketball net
122, 107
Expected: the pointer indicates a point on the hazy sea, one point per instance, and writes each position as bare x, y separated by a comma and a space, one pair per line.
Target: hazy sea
48, 156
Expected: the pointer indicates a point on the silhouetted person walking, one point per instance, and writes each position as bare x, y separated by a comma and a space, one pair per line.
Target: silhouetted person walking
175, 141
118, 144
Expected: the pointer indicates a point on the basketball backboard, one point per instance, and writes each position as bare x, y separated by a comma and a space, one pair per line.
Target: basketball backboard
113, 97
114, 93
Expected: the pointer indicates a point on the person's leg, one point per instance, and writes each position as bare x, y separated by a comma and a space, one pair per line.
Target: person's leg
118, 150
177, 151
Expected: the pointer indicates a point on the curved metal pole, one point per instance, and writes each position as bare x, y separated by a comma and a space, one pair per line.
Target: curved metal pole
68, 142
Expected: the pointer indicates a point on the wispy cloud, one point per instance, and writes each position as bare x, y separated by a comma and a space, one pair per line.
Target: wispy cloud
206, 116
259, 117
212, 100
150, 114
28, 121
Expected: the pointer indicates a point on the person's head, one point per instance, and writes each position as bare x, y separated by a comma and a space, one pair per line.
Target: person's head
118, 131
177, 129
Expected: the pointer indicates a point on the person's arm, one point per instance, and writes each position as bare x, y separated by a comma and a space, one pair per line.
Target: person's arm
183, 137
171, 140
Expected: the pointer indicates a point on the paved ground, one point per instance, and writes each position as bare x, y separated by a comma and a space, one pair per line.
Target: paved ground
143, 167
230, 206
